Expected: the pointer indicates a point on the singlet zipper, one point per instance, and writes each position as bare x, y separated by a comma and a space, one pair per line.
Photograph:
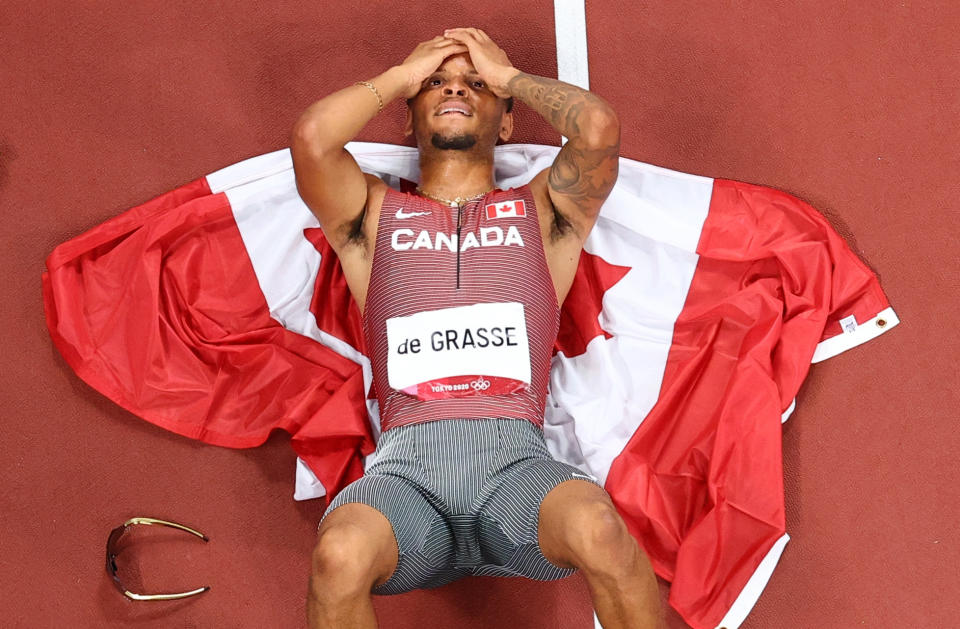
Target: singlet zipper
459, 207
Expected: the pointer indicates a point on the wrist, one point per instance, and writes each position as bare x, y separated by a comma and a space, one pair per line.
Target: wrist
506, 77
391, 84
404, 79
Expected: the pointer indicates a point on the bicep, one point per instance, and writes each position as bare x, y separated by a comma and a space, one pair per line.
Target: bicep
583, 174
333, 187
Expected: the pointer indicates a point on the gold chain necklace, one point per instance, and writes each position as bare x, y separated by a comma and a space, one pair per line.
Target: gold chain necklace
452, 202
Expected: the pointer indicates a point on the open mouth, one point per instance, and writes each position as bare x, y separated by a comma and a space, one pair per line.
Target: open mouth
452, 108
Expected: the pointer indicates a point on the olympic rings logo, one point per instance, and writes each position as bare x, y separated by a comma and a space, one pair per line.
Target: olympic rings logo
480, 384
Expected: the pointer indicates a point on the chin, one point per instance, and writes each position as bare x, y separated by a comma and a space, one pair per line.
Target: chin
453, 141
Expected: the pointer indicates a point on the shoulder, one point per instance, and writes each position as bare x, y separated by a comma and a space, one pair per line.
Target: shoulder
361, 233
540, 193
376, 189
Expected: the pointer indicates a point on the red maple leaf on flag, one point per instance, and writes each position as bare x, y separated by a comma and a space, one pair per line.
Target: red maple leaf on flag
331, 295
580, 314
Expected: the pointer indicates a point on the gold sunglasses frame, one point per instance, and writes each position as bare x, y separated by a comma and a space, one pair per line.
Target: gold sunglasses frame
115, 535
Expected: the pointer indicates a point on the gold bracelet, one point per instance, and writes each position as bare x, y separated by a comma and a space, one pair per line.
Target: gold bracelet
371, 86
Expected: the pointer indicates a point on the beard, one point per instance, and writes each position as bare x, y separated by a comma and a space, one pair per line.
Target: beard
456, 142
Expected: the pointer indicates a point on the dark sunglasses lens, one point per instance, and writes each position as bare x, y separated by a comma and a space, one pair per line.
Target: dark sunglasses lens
114, 549
115, 536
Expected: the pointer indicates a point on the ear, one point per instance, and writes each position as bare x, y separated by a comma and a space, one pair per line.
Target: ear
408, 126
506, 126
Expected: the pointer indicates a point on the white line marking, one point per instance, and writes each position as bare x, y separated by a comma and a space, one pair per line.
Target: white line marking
570, 19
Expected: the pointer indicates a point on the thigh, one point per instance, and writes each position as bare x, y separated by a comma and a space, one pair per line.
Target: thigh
509, 520
422, 540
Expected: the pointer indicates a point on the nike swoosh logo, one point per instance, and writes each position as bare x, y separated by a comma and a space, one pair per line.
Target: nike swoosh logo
401, 214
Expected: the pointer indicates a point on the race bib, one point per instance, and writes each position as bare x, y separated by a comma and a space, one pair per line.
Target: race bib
480, 349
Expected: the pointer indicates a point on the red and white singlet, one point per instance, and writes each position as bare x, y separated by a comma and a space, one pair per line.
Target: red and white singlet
460, 338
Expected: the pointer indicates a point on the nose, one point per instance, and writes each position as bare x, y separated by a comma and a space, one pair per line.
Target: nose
456, 86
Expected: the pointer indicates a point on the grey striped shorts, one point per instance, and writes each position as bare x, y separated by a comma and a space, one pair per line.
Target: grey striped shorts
463, 497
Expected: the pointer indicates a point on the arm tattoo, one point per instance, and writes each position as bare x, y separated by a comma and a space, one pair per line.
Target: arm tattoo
561, 104
582, 173
586, 168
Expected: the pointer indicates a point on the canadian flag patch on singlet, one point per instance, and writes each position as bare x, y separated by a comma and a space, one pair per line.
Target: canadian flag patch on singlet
481, 349
506, 209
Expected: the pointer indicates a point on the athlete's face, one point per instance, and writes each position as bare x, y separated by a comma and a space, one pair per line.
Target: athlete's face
456, 84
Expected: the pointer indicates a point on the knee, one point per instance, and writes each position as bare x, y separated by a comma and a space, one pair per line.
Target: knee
603, 542
342, 561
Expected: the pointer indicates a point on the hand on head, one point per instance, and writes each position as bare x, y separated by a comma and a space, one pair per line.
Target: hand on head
487, 57
490, 60
427, 57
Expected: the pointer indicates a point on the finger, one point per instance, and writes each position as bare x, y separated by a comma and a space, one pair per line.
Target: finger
457, 31
462, 38
452, 50
455, 48
448, 44
430, 42
478, 34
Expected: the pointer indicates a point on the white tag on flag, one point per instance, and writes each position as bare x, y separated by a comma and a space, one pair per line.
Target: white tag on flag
481, 349
849, 324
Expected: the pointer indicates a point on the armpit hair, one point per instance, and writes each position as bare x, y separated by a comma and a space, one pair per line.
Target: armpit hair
561, 226
354, 230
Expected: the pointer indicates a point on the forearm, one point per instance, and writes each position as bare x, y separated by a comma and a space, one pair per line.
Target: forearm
332, 122
574, 112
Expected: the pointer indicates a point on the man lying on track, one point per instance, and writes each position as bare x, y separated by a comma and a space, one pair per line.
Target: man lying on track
460, 287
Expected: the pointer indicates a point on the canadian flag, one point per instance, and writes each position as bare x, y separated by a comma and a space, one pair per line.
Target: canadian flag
696, 311
506, 208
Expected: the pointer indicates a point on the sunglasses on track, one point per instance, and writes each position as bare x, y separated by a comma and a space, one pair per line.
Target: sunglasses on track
112, 553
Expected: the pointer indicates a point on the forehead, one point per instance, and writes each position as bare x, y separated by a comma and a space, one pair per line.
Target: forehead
459, 63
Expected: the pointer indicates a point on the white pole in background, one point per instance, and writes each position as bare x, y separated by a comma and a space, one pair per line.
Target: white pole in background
570, 19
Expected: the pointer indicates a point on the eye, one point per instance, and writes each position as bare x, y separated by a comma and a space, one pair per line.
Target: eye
478, 83
433, 81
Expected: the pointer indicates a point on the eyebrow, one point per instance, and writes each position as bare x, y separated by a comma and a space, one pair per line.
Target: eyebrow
471, 72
